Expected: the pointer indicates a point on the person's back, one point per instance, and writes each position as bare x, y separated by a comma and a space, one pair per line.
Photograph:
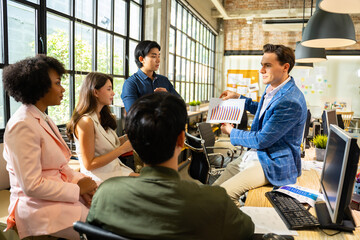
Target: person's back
157, 204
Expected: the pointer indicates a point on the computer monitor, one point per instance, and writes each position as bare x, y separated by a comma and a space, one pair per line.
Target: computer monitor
337, 180
328, 117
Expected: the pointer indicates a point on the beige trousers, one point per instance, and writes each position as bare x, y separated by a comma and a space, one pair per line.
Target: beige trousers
242, 174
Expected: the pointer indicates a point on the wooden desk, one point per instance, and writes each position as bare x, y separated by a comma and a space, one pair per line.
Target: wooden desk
309, 179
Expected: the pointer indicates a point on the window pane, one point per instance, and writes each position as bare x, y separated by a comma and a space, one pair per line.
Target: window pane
191, 95
188, 94
103, 52
21, 22
61, 114
78, 80
171, 67
184, 22
178, 68
34, 1
104, 14
14, 105
132, 65
177, 87
183, 43
119, 56
183, 92
83, 47
1, 39
189, 22
135, 26
58, 45
173, 12
2, 117
138, 1
84, 10
193, 28
120, 17
59, 5
118, 85
172, 40
179, 16
178, 42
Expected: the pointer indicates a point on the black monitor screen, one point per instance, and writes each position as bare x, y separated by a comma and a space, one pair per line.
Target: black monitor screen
333, 168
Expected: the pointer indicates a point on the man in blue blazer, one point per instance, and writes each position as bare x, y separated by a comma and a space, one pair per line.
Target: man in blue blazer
276, 131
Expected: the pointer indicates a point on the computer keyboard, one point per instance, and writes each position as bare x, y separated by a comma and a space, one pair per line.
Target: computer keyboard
292, 211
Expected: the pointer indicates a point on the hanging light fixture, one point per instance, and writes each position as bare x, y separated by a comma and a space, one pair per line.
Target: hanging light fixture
303, 65
307, 54
343, 6
328, 30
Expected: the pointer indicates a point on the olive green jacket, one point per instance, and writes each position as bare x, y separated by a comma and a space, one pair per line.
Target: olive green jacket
158, 205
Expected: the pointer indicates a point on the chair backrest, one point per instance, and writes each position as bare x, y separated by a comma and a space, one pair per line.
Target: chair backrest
207, 134
199, 166
244, 122
347, 117
94, 233
307, 125
340, 121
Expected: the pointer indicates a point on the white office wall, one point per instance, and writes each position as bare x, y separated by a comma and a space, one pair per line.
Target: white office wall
337, 79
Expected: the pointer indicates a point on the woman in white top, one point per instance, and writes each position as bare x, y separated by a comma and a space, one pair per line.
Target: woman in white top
92, 128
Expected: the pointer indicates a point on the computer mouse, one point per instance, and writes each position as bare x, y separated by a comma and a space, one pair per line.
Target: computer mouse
273, 236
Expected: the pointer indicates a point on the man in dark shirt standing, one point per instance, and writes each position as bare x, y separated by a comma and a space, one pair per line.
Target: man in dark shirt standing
145, 80
157, 204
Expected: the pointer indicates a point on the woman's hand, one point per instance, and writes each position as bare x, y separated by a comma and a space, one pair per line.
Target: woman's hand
123, 138
126, 147
87, 185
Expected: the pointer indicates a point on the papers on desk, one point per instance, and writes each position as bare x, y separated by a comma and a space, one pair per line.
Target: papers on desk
303, 195
313, 164
267, 220
225, 111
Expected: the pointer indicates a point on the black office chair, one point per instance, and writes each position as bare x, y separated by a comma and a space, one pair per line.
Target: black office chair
207, 134
91, 232
200, 167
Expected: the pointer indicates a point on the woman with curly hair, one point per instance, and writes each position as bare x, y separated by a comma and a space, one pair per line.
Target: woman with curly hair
92, 127
45, 191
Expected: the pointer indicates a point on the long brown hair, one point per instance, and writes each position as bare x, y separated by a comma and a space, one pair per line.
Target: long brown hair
87, 103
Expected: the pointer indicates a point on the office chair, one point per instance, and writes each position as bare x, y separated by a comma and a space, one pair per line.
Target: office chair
200, 167
346, 117
91, 232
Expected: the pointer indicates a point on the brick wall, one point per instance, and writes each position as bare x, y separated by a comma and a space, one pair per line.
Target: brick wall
242, 36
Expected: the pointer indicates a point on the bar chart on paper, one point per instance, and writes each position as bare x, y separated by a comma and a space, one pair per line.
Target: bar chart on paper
225, 111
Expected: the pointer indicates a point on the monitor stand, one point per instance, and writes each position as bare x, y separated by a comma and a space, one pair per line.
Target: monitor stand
323, 216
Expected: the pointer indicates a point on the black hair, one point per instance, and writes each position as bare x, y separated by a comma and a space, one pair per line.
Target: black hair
28, 80
283, 53
143, 48
153, 125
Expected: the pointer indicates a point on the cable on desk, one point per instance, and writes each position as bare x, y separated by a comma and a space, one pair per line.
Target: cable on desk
332, 234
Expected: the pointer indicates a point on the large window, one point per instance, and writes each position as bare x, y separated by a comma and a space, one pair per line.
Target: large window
85, 35
191, 55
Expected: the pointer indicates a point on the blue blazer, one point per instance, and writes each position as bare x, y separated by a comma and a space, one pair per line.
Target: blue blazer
277, 134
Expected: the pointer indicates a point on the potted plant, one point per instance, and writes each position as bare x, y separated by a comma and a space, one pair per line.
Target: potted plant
192, 106
198, 105
320, 146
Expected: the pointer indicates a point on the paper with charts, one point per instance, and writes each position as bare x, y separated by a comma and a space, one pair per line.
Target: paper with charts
225, 111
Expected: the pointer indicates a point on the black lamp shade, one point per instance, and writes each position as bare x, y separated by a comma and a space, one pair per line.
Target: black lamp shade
328, 30
308, 54
303, 65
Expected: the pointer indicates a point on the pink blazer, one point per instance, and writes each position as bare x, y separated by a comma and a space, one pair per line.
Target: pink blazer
42, 184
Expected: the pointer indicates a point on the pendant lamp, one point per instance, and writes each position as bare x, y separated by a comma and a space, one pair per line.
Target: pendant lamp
303, 65
328, 30
308, 54
340, 6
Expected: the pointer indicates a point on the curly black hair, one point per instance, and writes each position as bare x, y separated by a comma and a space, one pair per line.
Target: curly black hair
28, 80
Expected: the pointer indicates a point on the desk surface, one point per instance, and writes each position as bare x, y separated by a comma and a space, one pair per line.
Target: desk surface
309, 179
